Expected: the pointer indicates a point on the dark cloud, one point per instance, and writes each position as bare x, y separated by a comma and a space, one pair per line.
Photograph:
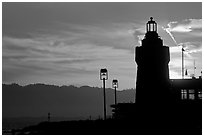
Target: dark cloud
19, 19
74, 61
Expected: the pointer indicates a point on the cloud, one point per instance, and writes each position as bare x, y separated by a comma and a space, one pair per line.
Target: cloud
138, 32
77, 52
68, 54
185, 26
189, 47
186, 33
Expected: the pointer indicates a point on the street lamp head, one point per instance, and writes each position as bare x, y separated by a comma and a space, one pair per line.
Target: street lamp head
103, 74
115, 83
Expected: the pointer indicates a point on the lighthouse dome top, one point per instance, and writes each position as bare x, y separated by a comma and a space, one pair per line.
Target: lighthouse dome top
151, 35
151, 20
151, 25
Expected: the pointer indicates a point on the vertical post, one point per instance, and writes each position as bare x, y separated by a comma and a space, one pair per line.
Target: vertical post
182, 63
48, 117
115, 97
104, 97
194, 67
135, 95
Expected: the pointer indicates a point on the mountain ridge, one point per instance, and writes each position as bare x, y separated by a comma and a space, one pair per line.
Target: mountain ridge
39, 99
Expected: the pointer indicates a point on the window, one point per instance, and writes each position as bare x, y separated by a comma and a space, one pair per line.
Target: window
199, 94
191, 94
183, 94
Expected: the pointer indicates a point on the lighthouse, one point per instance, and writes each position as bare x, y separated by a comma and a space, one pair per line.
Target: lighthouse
152, 59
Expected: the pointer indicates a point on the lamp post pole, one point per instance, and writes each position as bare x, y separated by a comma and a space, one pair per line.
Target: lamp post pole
115, 85
104, 98
182, 63
115, 97
104, 77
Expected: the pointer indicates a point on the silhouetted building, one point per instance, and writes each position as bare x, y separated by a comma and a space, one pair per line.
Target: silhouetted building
187, 89
152, 60
162, 104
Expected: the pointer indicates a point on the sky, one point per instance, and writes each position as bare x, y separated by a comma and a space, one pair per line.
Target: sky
68, 43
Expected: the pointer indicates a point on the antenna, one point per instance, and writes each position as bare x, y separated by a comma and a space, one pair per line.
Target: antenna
182, 59
194, 67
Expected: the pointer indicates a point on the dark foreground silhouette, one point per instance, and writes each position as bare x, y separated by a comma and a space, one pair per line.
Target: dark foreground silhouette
179, 116
183, 119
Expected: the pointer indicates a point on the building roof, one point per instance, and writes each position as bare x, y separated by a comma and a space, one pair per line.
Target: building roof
186, 83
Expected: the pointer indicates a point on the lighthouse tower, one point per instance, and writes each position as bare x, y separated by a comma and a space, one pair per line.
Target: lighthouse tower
152, 60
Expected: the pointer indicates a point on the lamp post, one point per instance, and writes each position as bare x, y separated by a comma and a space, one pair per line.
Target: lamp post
104, 77
115, 85
182, 50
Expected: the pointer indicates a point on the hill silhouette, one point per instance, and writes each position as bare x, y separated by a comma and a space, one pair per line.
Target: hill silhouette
36, 100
